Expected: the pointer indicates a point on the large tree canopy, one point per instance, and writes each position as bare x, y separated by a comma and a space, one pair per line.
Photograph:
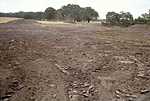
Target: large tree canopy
122, 18
126, 18
112, 18
50, 13
71, 11
77, 13
89, 14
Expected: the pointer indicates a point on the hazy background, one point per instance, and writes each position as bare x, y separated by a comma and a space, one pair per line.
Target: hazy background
136, 7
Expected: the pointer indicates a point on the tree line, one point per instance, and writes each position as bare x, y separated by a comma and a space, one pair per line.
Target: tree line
25, 15
126, 19
143, 19
70, 12
75, 13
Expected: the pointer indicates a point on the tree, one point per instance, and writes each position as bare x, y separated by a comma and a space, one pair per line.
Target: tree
146, 17
122, 18
112, 18
77, 13
140, 20
71, 12
89, 14
60, 15
50, 13
126, 18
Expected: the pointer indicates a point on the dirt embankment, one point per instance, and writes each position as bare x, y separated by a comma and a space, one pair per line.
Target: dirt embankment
66, 62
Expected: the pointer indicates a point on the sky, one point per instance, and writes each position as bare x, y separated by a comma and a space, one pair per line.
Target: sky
136, 7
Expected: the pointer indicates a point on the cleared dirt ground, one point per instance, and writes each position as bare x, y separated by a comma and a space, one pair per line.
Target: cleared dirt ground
73, 62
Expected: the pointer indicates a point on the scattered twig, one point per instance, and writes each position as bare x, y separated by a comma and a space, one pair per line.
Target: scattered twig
5, 97
62, 69
123, 94
145, 91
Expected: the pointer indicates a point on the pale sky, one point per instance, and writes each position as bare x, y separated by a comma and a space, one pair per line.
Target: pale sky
136, 7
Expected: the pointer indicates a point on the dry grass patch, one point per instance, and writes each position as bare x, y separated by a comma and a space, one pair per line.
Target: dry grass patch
7, 19
52, 22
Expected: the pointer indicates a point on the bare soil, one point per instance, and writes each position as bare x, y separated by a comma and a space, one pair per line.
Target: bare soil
73, 62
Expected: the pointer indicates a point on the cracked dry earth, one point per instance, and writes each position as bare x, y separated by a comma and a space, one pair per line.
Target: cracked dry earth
73, 62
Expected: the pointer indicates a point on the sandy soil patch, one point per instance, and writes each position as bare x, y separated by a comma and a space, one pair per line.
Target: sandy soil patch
7, 19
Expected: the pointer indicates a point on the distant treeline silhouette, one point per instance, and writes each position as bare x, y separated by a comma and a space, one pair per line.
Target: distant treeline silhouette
125, 19
75, 13
70, 12
26, 15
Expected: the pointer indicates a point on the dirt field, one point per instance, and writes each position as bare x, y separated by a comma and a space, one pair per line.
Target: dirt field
73, 62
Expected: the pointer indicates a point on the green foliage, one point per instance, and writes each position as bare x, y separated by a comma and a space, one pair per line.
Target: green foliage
121, 19
112, 18
50, 13
25, 15
70, 12
89, 14
146, 16
140, 20
126, 19
33, 15
144, 19
77, 13
60, 15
